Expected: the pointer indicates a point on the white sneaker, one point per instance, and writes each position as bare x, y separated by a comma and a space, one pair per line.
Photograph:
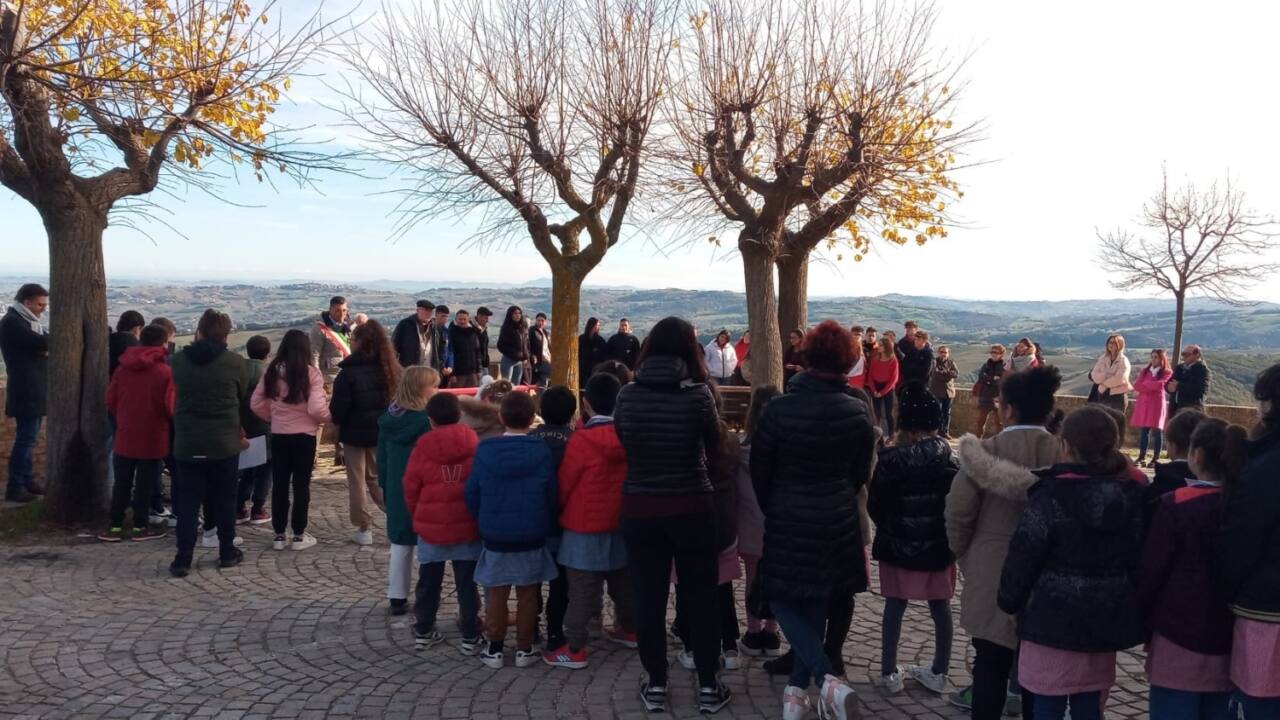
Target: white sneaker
491, 659
686, 660
303, 541
795, 703
527, 659
928, 678
837, 700
730, 659
278, 542
362, 537
210, 539
890, 684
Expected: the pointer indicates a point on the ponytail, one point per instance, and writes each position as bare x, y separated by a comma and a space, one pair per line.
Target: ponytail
1222, 449
1094, 439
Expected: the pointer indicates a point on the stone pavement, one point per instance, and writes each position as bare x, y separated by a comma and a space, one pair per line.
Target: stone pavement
89, 630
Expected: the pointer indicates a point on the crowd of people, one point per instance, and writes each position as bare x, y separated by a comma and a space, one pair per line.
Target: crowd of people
1069, 550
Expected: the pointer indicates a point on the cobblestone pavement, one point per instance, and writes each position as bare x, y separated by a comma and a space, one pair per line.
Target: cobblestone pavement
89, 630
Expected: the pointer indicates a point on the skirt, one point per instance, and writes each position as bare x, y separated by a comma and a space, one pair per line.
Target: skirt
528, 567
903, 584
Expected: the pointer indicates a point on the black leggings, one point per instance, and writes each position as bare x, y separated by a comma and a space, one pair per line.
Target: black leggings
293, 457
727, 606
884, 413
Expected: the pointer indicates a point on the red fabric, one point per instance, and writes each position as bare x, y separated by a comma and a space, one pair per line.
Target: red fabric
741, 349
591, 478
882, 376
1150, 409
433, 484
140, 397
471, 392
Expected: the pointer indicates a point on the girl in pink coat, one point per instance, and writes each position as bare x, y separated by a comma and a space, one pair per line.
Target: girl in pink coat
1149, 411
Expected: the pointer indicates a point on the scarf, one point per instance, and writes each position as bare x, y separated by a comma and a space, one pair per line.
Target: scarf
30, 317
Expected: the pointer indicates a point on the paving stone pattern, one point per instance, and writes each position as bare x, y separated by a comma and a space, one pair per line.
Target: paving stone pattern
89, 630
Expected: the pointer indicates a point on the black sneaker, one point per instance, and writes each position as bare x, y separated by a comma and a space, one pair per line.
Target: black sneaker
780, 665
399, 606
232, 560
752, 644
145, 533
712, 699
179, 569
422, 641
653, 697
772, 643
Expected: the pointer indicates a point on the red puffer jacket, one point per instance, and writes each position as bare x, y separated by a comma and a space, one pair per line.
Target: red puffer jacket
140, 397
591, 479
433, 484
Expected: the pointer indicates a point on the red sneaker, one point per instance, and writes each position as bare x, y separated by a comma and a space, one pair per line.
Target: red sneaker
260, 518
622, 637
566, 658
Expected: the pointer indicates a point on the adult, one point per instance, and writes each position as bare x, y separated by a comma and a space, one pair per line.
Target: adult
413, 338
441, 351
483, 314
24, 343
908, 342
793, 361
464, 340
987, 389
1110, 375
742, 348
810, 455
1149, 412
1190, 382
592, 350
513, 343
361, 392
1249, 557
869, 342
330, 339
668, 425
623, 346
916, 359
722, 360
942, 385
212, 385
1024, 356
983, 508
128, 331
882, 377
540, 350
857, 375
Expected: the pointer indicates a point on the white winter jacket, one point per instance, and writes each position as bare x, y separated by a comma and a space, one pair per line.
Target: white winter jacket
721, 361
1111, 374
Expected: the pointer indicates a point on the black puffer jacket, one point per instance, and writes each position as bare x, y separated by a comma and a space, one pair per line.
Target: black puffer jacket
667, 424
908, 500
26, 359
359, 399
591, 352
1072, 568
466, 345
915, 365
1251, 534
810, 456
513, 341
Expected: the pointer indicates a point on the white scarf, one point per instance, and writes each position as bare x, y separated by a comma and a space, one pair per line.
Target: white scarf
30, 317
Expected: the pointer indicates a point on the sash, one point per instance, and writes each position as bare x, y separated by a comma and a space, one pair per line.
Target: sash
337, 340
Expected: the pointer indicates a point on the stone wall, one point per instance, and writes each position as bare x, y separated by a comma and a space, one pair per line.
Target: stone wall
7, 429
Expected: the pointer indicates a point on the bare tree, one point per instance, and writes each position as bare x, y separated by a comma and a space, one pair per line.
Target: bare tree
104, 102
535, 114
1204, 242
810, 123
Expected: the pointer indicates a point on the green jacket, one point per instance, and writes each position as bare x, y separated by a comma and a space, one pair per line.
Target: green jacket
211, 384
398, 432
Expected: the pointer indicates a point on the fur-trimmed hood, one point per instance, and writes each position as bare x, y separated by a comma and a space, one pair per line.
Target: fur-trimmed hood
992, 474
481, 416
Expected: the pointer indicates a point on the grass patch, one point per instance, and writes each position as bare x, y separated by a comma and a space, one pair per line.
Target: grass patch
22, 521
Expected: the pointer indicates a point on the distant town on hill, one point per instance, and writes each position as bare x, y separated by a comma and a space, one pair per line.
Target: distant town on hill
1239, 341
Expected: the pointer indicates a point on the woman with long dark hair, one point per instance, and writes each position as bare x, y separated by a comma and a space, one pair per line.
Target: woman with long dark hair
513, 343
593, 349
668, 425
366, 380
1151, 411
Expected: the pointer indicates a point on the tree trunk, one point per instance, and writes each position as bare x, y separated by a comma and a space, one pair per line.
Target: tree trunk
762, 314
76, 432
1180, 302
793, 292
566, 292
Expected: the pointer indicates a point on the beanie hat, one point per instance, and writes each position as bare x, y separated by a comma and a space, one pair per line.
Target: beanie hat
918, 409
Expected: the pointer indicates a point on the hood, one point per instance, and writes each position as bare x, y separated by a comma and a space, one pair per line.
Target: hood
662, 370
142, 358
514, 457
479, 415
932, 452
807, 381
449, 444
404, 427
992, 474
203, 352
1098, 503
603, 438
355, 359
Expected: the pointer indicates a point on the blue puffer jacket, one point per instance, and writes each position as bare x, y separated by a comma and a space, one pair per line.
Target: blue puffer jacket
512, 493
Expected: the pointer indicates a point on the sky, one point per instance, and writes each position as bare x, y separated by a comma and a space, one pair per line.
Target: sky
1082, 102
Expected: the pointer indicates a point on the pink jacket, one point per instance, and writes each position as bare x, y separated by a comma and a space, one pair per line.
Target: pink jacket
1150, 409
303, 418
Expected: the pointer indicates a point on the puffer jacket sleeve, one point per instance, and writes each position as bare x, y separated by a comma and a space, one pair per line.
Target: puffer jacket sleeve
764, 458
340, 405
1252, 513
1027, 552
317, 408
471, 491
414, 475
884, 499
571, 469
964, 502
1158, 555
710, 428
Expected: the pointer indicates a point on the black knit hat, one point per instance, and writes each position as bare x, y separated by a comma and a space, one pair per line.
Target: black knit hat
918, 409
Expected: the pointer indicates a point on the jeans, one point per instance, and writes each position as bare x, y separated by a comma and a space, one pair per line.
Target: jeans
426, 597
512, 370
21, 474
293, 457
946, 413
802, 621
884, 413
198, 479
1169, 704
125, 492
992, 665
689, 541
542, 374
1156, 436
1084, 706
1255, 708
723, 381
255, 485
891, 631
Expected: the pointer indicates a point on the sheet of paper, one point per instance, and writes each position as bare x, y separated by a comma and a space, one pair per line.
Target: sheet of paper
256, 454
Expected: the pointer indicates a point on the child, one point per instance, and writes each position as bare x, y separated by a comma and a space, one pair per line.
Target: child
512, 495
140, 397
907, 502
1189, 654
1150, 409
398, 432
592, 550
559, 406
291, 396
433, 493
255, 482
1069, 574
1175, 474
761, 637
